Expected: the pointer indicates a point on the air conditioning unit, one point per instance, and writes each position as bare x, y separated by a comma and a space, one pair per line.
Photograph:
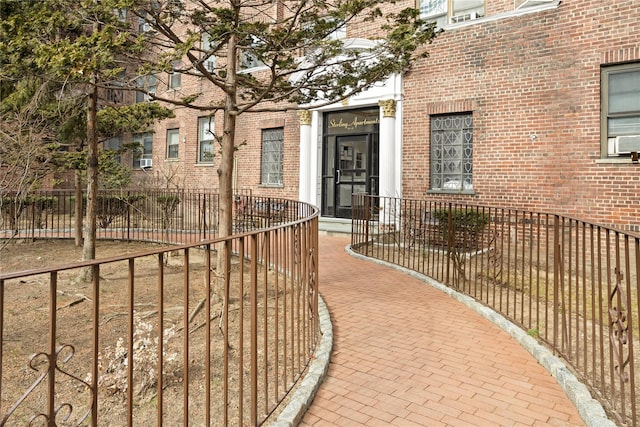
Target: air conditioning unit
146, 163
627, 144
464, 17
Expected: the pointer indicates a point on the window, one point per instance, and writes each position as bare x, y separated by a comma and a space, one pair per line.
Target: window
121, 14
148, 84
620, 110
114, 95
143, 153
143, 25
452, 152
249, 57
272, 156
445, 12
173, 143
113, 144
205, 139
175, 77
209, 61
176, 8
520, 4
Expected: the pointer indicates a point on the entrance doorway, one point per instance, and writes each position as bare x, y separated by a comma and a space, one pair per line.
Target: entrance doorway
350, 159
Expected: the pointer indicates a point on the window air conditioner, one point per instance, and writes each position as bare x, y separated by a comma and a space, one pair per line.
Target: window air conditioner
146, 163
464, 17
627, 144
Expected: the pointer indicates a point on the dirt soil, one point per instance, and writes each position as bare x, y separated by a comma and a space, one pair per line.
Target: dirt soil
27, 316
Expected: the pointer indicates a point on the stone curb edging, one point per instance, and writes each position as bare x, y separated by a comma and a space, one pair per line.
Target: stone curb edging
590, 410
306, 392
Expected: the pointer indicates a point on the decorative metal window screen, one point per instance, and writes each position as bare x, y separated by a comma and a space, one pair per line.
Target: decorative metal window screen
452, 152
272, 155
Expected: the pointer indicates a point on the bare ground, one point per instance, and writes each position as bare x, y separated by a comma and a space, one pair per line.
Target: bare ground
28, 315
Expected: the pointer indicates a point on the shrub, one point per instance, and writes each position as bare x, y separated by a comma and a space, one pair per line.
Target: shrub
466, 225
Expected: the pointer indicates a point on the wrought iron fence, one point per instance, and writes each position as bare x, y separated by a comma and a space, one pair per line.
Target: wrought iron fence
172, 216
213, 332
570, 284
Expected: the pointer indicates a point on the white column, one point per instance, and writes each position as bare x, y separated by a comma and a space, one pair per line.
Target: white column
387, 186
313, 162
305, 180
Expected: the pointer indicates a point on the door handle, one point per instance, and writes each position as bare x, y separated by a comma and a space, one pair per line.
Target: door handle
338, 180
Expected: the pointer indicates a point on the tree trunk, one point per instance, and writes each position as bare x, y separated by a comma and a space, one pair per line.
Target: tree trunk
225, 169
77, 187
89, 248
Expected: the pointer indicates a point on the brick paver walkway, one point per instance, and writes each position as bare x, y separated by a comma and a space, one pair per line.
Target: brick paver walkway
405, 354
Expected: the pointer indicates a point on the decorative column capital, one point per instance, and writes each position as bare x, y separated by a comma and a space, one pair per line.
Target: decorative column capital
388, 107
305, 117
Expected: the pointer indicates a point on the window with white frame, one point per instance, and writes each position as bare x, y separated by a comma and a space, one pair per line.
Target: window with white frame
175, 77
249, 57
620, 110
521, 4
205, 139
209, 60
143, 25
444, 12
121, 14
143, 153
148, 84
272, 156
452, 152
173, 143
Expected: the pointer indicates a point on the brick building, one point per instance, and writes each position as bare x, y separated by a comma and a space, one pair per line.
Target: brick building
528, 104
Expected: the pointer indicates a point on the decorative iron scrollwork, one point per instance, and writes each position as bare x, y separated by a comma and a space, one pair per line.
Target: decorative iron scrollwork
619, 327
494, 258
312, 282
42, 362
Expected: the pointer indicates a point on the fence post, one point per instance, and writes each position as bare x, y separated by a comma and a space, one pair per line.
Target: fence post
204, 217
367, 202
129, 216
556, 279
449, 243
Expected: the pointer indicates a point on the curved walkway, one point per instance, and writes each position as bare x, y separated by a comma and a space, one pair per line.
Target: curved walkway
406, 354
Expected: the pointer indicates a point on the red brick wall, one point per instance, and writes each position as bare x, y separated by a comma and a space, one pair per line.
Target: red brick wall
533, 74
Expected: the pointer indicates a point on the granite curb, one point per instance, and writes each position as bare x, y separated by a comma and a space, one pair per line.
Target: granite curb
292, 414
590, 410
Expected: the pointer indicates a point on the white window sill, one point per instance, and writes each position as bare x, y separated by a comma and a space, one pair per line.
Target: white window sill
615, 161
441, 191
253, 69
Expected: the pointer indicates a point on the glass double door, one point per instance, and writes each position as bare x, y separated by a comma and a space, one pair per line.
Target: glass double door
351, 166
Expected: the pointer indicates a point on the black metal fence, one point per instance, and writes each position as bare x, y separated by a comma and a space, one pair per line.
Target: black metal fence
171, 216
571, 284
